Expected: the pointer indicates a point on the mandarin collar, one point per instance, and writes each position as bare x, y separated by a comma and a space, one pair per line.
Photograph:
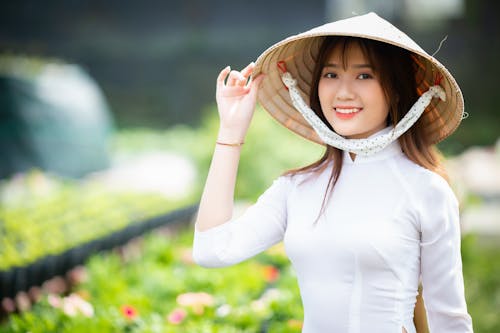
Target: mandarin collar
393, 149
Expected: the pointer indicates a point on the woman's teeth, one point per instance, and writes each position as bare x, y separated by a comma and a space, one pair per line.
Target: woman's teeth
347, 110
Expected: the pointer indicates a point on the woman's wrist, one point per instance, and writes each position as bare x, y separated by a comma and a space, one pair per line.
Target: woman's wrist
230, 138
230, 144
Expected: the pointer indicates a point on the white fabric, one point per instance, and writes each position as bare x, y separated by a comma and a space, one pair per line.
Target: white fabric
388, 223
366, 146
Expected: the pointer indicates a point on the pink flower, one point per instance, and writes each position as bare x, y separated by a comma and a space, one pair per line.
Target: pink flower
177, 316
78, 275
56, 285
69, 309
74, 304
35, 293
23, 301
54, 300
71, 305
189, 299
82, 305
196, 301
128, 311
8, 305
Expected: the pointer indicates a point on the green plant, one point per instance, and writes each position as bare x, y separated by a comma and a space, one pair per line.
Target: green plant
482, 283
42, 215
152, 285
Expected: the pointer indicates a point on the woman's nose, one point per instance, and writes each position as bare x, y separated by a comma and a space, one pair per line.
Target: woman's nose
345, 90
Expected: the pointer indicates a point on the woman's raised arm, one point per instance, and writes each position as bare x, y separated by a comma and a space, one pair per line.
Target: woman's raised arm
236, 98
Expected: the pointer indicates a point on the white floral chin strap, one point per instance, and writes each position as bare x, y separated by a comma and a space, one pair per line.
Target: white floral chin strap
364, 147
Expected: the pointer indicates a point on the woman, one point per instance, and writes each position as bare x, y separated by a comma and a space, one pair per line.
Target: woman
375, 214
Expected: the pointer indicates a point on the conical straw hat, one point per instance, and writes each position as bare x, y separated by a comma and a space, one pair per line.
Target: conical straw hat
300, 52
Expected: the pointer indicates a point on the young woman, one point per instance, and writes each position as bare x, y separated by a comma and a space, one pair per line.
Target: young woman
375, 215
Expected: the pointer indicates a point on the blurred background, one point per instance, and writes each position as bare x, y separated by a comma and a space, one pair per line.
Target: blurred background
156, 60
109, 107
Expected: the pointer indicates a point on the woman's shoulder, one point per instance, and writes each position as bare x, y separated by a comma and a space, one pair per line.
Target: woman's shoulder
309, 176
427, 183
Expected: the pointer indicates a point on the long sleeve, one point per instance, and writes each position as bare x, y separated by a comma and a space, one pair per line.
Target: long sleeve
441, 263
261, 226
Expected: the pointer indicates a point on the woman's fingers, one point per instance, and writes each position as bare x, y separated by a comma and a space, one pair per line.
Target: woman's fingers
231, 78
232, 83
234, 91
236, 79
237, 90
247, 71
222, 76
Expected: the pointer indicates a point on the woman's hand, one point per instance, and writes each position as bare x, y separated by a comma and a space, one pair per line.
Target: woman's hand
236, 98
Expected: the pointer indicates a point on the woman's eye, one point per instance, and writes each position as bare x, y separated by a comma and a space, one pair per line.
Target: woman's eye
364, 76
330, 75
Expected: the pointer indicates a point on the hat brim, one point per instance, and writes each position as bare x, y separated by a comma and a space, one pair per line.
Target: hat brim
300, 53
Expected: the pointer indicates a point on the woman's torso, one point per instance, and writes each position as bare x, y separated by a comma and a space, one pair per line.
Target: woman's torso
358, 267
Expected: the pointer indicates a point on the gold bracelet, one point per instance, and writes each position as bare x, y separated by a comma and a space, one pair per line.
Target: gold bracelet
229, 144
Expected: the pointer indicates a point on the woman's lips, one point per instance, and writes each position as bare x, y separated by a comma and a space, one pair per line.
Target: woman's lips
346, 112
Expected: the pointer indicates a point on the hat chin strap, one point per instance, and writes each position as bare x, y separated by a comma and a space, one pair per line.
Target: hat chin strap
366, 146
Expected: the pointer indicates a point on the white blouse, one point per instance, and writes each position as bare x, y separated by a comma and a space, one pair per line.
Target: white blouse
388, 223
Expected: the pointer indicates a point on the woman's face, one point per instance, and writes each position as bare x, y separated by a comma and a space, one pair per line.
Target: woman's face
352, 98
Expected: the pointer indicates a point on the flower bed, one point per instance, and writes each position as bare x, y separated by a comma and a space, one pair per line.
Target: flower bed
152, 285
48, 226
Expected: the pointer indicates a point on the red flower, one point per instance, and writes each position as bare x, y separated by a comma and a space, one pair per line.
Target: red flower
271, 273
128, 311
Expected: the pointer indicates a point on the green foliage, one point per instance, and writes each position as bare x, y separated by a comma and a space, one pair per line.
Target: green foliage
482, 283
151, 275
42, 215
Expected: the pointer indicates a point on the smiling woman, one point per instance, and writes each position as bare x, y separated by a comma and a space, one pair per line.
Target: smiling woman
352, 92
361, 232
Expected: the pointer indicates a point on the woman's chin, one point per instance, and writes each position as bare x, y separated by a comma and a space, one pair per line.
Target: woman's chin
347, 133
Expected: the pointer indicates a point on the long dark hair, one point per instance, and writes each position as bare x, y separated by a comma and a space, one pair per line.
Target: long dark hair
395, 70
